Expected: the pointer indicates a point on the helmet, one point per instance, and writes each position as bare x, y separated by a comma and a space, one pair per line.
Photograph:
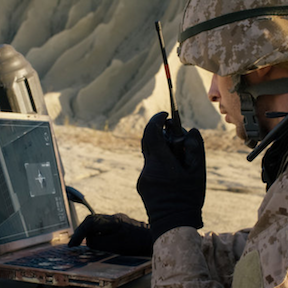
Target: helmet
20, 88
234, 37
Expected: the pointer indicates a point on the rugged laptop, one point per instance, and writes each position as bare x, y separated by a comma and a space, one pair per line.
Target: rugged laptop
35, 223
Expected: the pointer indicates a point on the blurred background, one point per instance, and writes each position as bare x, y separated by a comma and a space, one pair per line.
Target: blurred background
100, 64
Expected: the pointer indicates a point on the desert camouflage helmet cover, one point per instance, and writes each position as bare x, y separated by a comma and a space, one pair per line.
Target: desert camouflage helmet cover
234, 37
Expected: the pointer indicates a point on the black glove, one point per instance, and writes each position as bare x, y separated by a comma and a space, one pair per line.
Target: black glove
172, 190
114, 233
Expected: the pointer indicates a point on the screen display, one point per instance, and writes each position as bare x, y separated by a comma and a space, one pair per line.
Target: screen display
31, 199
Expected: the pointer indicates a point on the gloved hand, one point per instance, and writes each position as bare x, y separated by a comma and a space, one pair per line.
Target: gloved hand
172, 190
114, 233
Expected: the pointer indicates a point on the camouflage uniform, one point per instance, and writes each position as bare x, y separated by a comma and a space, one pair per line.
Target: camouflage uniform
184, 258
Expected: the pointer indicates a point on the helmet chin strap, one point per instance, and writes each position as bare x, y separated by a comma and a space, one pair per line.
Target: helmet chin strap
248, 96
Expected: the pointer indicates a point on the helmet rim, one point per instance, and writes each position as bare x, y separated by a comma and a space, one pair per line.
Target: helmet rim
236, 47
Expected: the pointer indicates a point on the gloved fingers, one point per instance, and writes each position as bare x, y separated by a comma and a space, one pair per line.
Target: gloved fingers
170, 130
114, 233
194, 139
194, 149
95, 225
81, 232
153, 138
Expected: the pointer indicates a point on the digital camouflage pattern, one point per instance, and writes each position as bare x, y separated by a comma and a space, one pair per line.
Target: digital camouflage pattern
183, 258
270, 234
235, 48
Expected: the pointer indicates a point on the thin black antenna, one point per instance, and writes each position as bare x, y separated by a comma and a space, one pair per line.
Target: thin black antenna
174, 108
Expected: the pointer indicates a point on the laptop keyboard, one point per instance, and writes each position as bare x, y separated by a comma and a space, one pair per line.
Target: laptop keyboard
61, 258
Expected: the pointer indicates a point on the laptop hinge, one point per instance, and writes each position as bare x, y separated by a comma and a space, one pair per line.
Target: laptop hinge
61, 237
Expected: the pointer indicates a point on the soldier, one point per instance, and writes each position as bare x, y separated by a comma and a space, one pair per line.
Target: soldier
245, 44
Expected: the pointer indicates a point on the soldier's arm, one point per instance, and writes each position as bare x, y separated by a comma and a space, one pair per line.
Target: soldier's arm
184, 258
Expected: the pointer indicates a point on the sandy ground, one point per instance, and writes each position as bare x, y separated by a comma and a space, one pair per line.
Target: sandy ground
105, 168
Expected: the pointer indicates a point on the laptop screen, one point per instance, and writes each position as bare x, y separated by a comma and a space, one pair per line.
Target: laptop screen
31, 197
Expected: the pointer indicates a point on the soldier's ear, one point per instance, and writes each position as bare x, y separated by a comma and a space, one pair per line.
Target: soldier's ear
263, 72
259, 75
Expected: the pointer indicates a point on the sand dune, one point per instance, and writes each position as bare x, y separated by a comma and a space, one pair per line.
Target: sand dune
100, 64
